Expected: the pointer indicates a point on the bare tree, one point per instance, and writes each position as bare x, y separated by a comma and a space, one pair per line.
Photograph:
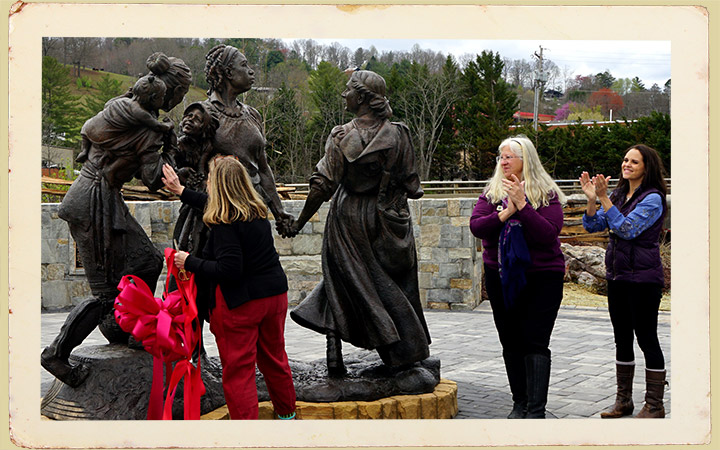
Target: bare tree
425, 102
338, 55
520, 73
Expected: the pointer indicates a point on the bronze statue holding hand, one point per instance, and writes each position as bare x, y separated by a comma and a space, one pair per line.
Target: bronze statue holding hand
240, 131
369, 294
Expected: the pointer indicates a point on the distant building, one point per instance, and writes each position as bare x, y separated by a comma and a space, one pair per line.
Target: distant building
585, 123
527, 117
54, 157
552, 93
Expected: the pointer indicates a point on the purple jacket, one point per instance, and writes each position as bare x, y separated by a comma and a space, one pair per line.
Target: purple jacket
637, 260
541, 228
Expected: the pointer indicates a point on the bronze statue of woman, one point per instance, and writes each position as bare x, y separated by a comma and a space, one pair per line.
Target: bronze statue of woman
369, 293
240, 131
111, 243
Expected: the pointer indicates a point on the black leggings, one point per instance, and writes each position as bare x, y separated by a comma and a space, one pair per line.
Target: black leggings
634, 308
526, 327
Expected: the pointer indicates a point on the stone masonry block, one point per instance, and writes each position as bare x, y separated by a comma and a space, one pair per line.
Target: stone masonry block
461, 283
438, 305
56, 271
310, 244
265, 412
51, 252
449, 270
440, 255
432, 219
440, 283
449, 242
424, 280
55, 295
369, 410
309, 264
460, 307
345, 410
408, 407
433, 203
80, 289
456, 254
453, 207
428, 406
389, 408
438, 295
459, 221
144, 217
314, 411
283, 246
430, 235
429, 267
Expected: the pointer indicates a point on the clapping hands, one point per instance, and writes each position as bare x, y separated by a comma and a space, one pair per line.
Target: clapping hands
594, 187
515, 190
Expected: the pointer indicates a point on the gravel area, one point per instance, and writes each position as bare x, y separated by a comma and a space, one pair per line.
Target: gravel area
577, 295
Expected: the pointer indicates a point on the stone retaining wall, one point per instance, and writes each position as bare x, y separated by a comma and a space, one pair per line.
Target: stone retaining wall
448, 261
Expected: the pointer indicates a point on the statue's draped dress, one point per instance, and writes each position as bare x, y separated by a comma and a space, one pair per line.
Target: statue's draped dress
369, 292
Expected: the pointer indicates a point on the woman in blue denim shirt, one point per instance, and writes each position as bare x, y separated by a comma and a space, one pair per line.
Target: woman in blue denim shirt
634, 213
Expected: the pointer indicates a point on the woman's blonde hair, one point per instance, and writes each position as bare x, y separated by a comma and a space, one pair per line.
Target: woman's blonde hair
538, 183
231, 196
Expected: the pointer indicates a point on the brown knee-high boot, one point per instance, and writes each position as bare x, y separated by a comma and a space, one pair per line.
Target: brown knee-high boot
654, 392
623, 399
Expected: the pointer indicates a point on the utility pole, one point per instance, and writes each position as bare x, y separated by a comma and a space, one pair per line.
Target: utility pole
539, 84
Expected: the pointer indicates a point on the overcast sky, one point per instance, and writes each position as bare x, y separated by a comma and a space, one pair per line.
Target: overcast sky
648, 60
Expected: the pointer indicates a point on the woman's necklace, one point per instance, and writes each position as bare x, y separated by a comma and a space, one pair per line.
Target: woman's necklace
225, 111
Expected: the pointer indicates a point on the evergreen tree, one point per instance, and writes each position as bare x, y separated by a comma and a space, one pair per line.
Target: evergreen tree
326, 84
61, 114
485, 111
289, 158
107, 88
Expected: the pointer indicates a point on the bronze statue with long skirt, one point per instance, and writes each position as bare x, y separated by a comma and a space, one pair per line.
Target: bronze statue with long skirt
369, 293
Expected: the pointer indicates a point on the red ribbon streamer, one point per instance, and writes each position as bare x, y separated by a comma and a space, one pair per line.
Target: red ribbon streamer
165, 328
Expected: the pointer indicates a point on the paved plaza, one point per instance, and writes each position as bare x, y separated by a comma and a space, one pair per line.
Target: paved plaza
582, 382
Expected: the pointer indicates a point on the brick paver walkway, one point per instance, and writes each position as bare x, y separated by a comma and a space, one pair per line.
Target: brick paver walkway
582, 382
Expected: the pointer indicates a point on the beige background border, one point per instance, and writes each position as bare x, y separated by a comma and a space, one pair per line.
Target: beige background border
686, 27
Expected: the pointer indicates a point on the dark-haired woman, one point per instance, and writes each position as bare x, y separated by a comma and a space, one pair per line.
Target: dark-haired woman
634, 214
249, 306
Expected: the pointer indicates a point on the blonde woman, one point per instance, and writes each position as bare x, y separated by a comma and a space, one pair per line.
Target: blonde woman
242, 267
519, 217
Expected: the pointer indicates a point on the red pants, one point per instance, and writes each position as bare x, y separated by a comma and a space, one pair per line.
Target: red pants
253, 333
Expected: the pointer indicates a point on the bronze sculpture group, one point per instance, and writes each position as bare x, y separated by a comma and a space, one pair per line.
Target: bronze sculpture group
369, 294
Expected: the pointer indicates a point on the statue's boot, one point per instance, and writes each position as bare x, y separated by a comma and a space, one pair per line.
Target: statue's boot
336, 366
78, 325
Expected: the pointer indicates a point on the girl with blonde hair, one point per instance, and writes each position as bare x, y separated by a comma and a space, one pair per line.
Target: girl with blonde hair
519, 217
241, 267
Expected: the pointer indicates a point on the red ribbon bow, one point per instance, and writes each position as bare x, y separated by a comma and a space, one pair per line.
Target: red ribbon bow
165, 328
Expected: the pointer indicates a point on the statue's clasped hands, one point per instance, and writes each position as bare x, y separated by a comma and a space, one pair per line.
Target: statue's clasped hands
286, 226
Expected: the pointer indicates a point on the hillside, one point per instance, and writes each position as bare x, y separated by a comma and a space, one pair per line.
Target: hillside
94, 76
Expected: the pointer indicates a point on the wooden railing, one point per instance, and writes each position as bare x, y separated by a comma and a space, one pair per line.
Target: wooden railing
298, 191
471, 188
